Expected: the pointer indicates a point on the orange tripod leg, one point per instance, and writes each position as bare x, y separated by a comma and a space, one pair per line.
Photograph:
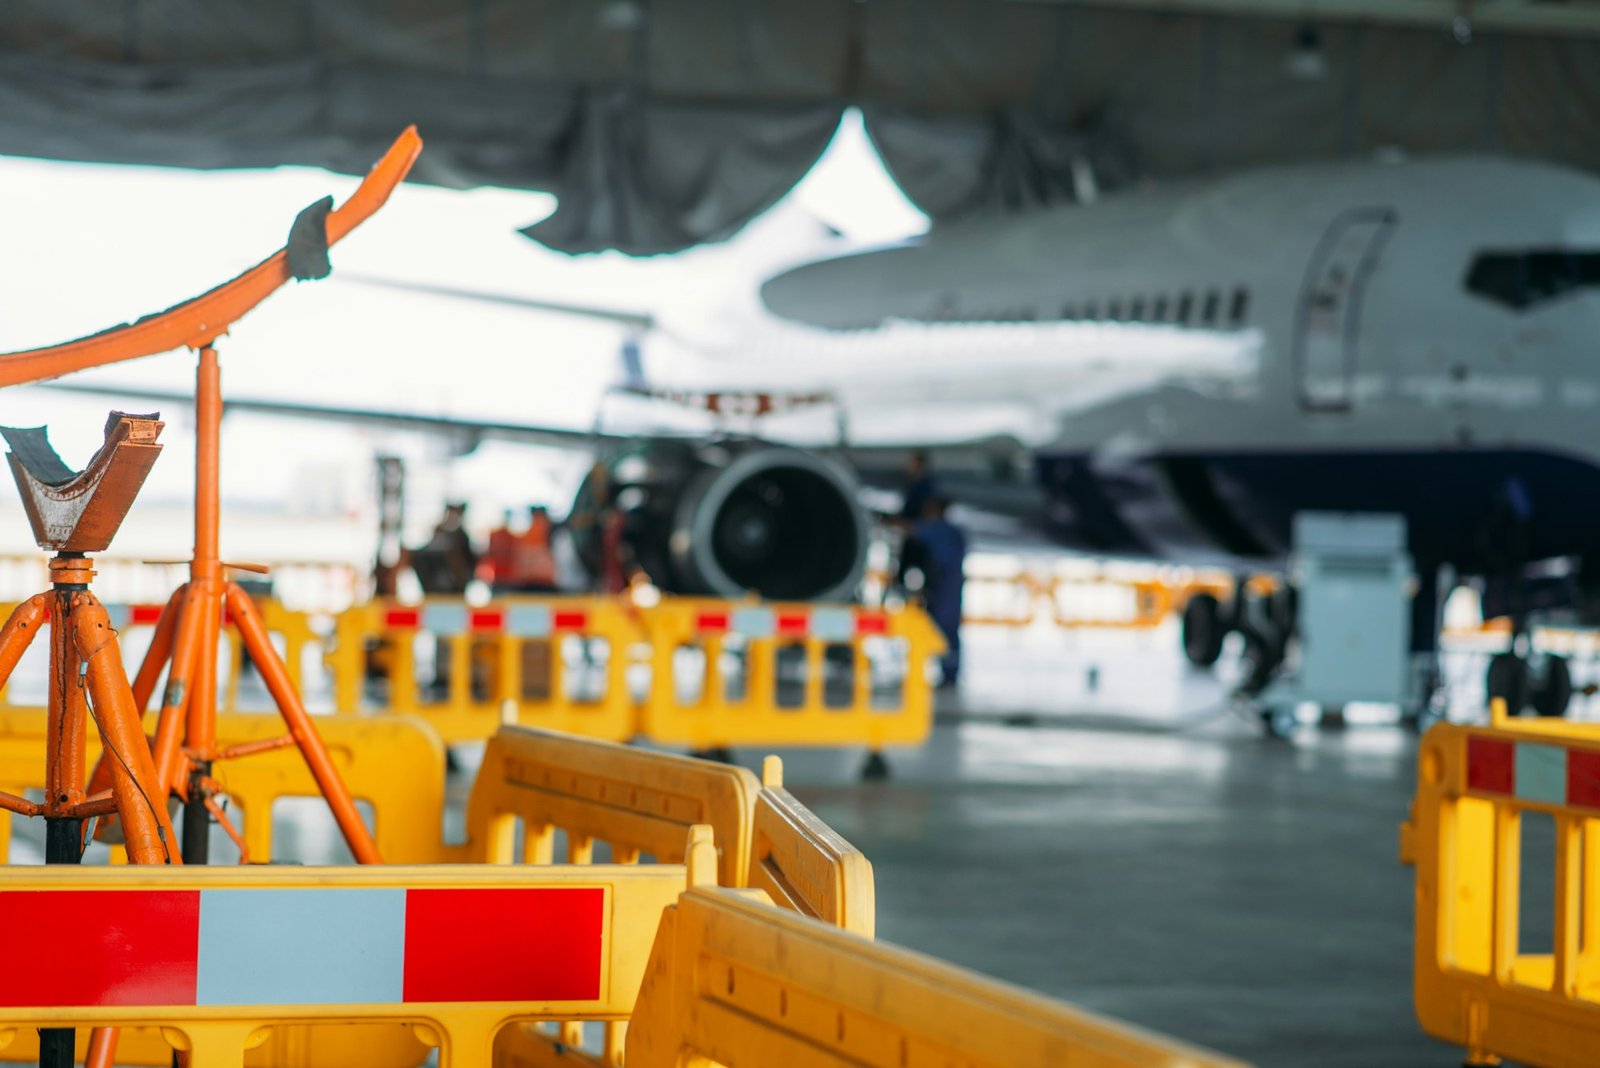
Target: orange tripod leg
174, 703
155, 659
134, 782
102, 1047
254, 633
160, 651
26, 621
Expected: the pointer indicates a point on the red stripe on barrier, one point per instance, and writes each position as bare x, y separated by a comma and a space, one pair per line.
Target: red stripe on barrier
504, 945
570, 620
486, 619
144, 614
1583, 779
402, 619
711, 621
794, 624
1491, 766
872, 623
88, 947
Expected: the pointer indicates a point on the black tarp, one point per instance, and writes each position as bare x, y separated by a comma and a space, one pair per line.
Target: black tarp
663, 123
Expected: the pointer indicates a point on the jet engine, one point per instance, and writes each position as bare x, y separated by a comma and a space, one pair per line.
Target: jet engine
729, 519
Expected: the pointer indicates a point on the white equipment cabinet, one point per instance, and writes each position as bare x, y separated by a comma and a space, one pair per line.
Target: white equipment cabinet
1354, 578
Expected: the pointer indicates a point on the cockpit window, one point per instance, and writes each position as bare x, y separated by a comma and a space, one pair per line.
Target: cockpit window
1522, 280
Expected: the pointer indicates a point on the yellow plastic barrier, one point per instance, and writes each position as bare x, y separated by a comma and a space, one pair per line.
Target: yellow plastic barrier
486, 648
635, 800
737, 982
216, 957
785, 697
1089, 601
1475, 986
804, 865
395, 764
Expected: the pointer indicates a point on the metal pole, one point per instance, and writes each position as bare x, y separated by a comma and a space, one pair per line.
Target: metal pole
205, 583
63, 844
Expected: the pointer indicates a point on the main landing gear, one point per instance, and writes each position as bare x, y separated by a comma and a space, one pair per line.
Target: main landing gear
1265, 621
1540, 683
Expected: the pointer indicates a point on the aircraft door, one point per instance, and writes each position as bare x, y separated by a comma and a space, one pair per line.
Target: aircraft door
1328, 321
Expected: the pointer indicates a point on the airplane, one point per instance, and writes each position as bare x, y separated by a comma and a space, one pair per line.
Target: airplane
1171, 374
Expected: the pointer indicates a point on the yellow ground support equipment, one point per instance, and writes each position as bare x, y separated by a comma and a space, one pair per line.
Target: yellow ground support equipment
734, 981
504, 662
216, 957
1477, 982
809, 674
393, 764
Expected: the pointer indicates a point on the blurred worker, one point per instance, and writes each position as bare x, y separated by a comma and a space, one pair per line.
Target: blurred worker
944, 554
601, 527
444, 566
920, 486
448, 561
532, 565
498, 558
919, 489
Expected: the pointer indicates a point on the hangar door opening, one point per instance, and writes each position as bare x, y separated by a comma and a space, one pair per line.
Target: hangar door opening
1328, 325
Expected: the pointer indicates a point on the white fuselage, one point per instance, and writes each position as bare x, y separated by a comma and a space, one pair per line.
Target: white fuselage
1395, 352
1435, 309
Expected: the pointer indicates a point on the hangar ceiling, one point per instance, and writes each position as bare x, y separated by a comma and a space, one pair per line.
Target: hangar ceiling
664, 123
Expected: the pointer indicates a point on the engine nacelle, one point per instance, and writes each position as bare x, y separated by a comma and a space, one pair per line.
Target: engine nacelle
731, 519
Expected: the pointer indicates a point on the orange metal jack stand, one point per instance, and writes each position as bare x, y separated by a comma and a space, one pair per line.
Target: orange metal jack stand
84, 651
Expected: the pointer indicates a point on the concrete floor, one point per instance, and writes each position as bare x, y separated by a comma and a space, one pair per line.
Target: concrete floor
1150, 857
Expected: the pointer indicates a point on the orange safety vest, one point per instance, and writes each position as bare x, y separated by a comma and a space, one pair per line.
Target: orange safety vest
532, 561
498, 559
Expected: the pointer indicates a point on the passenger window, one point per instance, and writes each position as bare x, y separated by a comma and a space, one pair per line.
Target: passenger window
1240, 307
1114, 310
1068, 313
1158, 312
1136, 310
1091, 311
1185, 308
1208, 315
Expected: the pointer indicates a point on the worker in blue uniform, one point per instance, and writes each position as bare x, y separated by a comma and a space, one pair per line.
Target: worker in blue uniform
920, 487
944, 553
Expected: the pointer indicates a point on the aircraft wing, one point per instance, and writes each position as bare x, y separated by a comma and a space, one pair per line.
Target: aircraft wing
467, 433
991, 475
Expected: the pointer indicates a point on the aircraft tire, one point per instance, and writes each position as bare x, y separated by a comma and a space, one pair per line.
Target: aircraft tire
1508, 679
1203, 630
1553, 692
